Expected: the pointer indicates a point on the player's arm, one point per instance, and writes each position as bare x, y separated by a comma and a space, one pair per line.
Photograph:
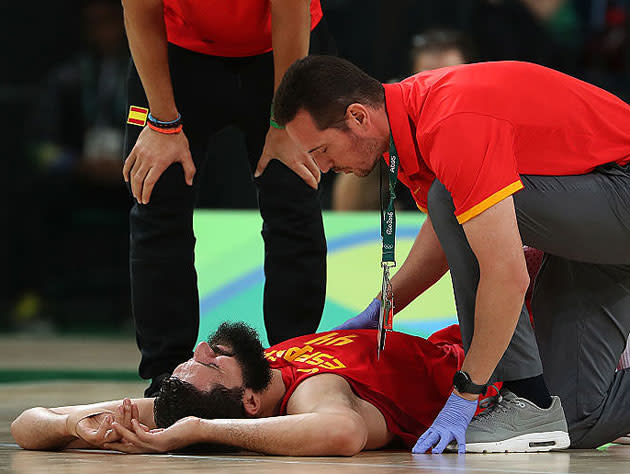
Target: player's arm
146, 33
290, 38
425, 265
56, 428
290, 34
324, 420
494, 238
153, 152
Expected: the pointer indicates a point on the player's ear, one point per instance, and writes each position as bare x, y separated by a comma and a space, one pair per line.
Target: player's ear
252, 402
357, 116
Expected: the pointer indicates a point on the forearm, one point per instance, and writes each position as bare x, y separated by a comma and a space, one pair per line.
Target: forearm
290, 34
144, 22
310, 434
425, 265
55, 428
499, 301
41, 428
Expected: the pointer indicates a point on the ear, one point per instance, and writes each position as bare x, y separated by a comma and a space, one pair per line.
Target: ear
358, 117
252, 402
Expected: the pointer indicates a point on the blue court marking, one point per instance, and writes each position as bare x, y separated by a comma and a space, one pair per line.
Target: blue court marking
257, 275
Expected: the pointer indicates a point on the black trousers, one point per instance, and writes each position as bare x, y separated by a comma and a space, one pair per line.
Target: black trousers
212, 93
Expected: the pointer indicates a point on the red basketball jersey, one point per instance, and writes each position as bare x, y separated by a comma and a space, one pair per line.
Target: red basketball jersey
409, 384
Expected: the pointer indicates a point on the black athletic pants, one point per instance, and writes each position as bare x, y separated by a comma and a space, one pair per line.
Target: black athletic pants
212, 93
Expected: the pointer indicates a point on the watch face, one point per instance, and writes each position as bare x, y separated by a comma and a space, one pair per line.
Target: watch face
460, 380
464, 384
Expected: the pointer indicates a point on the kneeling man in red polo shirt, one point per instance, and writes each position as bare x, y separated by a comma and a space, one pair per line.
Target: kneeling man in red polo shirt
499, 155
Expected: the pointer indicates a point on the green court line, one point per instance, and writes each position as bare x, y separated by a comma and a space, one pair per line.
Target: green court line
39, 375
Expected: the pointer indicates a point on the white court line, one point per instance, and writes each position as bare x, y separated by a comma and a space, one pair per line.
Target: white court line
314, 463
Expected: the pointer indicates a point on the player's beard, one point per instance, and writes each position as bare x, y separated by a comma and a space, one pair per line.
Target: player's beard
371, 150
248, 351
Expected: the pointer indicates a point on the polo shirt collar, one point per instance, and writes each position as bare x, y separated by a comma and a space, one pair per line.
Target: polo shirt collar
400, 128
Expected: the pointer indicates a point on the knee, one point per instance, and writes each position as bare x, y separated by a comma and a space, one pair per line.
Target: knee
285, 200
171, 190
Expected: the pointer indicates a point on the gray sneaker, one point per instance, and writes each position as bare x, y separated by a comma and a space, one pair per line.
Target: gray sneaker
516, 425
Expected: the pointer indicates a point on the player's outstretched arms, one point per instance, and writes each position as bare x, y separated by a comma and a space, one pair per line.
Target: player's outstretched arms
325, 418
81, 426
308, 434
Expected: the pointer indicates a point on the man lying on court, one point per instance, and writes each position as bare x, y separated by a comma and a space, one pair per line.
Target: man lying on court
334, 396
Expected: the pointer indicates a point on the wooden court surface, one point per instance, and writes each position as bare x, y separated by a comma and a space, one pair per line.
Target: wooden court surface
121, 355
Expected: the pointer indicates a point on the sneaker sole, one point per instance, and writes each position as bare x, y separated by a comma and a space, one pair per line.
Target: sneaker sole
529, 443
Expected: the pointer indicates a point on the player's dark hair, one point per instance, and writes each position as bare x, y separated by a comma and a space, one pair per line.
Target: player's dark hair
324, 86
248, 350
178, 399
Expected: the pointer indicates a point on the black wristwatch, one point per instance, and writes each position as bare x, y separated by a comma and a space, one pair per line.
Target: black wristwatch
463, 384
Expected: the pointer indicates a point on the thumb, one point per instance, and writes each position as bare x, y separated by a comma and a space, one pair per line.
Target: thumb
189, 170
262, 164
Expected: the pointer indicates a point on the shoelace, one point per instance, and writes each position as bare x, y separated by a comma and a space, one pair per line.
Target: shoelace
492, 404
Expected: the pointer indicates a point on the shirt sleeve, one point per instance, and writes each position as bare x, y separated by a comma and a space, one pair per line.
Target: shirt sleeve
473, 156
419, 187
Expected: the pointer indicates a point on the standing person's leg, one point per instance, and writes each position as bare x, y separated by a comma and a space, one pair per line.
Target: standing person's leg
295, 246
164, 293
581, 300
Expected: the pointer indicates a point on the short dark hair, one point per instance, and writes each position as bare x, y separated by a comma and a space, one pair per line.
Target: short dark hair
178, 399
324, 86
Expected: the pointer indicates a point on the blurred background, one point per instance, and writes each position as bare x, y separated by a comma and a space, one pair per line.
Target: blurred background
64, 209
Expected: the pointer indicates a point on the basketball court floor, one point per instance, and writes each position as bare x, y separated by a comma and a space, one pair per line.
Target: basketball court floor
64, 371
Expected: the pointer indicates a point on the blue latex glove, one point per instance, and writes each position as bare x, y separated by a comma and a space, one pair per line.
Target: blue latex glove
367, 319
451, 423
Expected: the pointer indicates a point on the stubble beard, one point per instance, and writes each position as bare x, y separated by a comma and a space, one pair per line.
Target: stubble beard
373, 149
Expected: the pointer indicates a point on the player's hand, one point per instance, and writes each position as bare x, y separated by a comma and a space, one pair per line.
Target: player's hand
139, 439
97, 429
451, 423
367, 319
279, 145
149, 158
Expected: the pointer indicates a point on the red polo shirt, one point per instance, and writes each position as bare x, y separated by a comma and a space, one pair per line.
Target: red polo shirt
478, 127
228, 28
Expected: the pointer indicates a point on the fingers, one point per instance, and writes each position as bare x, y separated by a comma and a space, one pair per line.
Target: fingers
303, 172
136, 434
135, 413
126, 433
262, 164
129, 162
189, 170
426, 441
441, 446
146, 429
138, 173
313, 169
149, 182
102, 430
461, 443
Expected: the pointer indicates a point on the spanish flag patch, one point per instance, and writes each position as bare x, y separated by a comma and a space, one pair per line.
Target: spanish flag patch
137, 116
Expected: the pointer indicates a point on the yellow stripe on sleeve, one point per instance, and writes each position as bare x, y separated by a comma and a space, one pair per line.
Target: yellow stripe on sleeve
490, 201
